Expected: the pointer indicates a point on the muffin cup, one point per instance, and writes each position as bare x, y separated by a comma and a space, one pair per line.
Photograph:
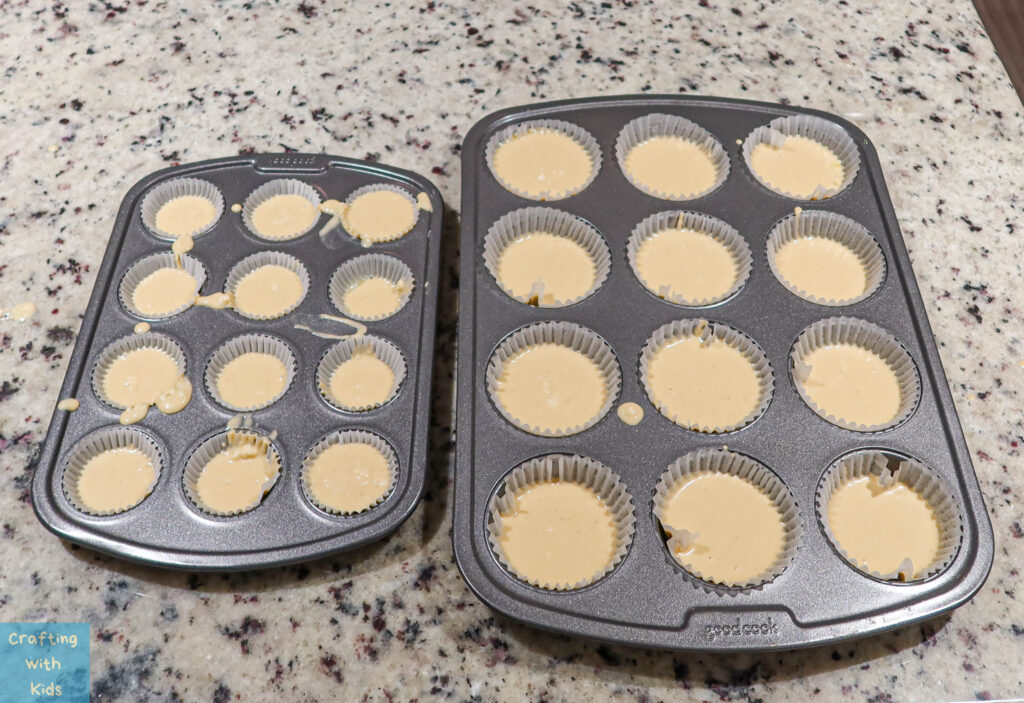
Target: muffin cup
343, 351
826, 133
567, 334
95, 444
164, 193
836, 227
717, 229
566, 469
548, 221
257, 343
151, 264
914, 475
850, 330
133, 342
581, 136
213, 446
279, 186
723, 461
266, 258
648, 127
367, 266
373, 188
349, 437
707, 330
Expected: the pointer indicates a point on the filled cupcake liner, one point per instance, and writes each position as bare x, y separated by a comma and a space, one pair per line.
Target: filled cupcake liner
850, 330
645, 128
101, 441
836, 227
367, 266
723, 461
266, 258
257, 343
149, 265
574, 132
566, 469
718, 230
279, 186
124, 345
826, 133
373, 188
567, 334
915, 476
343, 351
164, 193
213, 446
349, 437
530, 220
707, 330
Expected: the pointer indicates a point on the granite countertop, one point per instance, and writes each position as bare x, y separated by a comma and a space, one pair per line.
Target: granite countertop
95, 95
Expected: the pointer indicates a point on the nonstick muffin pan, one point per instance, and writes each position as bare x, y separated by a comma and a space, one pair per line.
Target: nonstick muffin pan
648, 599
167, 528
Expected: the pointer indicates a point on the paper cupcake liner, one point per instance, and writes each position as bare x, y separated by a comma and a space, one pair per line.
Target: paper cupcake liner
836, 227
718, 230
248, 344
349, 437
164, 193
850, 330
279, 186
568, 469
148, 340
370, 266
514, 225
101, 441
567, 334
266, 258
706, 330
574, 132
645, 128
826, 133
372, 188
914, 475
151, 264
723, 461
213, 446
343, 351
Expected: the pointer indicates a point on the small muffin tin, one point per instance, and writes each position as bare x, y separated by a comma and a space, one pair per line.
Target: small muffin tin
166, 528
648, 599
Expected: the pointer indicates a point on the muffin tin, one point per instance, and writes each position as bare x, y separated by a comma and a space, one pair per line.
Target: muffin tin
648, 599
167, 528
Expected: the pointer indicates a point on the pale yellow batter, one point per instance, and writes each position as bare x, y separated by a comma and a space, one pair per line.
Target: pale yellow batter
362, 381
723, 527
115, 480
546, 269
543, 162
20, 312
144, 377
251, 380
558, 534
141, 327
823, 268
186, 214
799, 167
268, 291
69, 405
215, 301
349, 477
673, 166
630, 413
238, 477
423, 202
284, 216
374, 297
164, 291
851, 383
686, 265
379, 216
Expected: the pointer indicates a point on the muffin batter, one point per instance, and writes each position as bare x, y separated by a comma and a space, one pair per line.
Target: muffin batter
363, 381
379, 216
184, 215
851, 383
284, 216
684, 265
543, 162
823, 268
374, 297
799, 167
252, 380
630, 413
675, 167
546, 269
115, 480
349, 478
268, 291
164, 291
237, 478
144, 377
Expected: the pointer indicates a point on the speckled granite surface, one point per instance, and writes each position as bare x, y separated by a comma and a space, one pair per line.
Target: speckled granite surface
95, 95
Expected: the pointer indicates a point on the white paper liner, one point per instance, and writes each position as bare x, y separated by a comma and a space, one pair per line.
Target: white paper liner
100, 441
566, 469
343, 351
914, 475
850, 330
266, 258
164, 193
718, 230
645, 128
213, 446
257, 343
372, 188
367, 266
151, 264
567, 334
574, 132
349, 437
826, 133
148, 340
530, 220
723, 461
279, 186
706, 330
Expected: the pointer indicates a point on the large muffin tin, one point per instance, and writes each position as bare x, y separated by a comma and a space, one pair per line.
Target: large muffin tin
168, 529
649, 600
